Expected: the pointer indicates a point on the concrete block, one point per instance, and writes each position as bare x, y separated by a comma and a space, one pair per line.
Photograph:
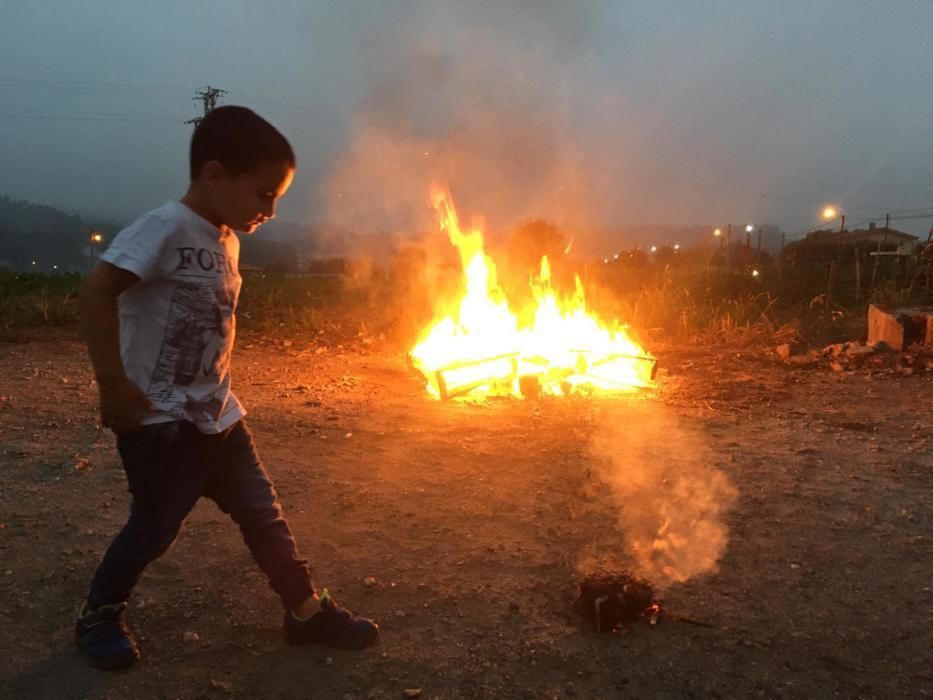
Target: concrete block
884, 326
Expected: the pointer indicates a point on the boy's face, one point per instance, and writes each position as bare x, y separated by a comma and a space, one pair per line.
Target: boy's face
246, 201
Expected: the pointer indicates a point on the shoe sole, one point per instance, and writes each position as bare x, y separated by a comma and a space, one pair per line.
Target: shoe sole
116, 662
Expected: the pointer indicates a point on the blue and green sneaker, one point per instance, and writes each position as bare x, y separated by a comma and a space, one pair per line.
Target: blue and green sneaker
331, 625
105, 638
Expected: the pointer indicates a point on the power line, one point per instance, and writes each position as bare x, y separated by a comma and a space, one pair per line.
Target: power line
92, 116
112, 89
33, 84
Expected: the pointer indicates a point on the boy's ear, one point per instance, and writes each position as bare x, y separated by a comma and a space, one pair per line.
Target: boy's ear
212, 170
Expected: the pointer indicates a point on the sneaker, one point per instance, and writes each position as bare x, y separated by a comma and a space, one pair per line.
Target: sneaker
105, 638
331, 625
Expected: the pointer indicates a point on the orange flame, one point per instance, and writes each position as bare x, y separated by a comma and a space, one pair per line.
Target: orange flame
479, 348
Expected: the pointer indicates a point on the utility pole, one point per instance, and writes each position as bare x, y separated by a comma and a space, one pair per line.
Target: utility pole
207, 96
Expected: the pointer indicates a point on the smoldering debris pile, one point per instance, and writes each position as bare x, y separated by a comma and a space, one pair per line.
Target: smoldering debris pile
610, 600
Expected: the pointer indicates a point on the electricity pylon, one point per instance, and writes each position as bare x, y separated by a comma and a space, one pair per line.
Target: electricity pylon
207, 96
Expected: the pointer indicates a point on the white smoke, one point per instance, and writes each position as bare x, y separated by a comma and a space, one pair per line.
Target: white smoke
672, 499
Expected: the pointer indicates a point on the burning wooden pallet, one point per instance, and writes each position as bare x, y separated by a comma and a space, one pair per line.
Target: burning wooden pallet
530, 377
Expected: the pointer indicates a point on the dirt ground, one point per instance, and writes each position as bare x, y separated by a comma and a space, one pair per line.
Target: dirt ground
473, 520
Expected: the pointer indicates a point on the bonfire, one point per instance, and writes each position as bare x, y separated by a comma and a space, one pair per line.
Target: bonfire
477, 347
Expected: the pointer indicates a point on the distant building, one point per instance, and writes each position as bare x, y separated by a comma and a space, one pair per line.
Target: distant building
873, 238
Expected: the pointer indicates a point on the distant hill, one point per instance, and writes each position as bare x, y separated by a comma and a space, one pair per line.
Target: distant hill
50, 238
57, 241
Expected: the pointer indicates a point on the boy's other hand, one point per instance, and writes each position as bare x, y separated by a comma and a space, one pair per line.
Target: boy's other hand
122, 405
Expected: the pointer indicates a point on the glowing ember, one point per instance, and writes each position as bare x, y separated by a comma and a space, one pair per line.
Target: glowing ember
478, 347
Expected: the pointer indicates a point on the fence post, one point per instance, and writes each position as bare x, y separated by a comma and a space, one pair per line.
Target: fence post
858, 274
874, 267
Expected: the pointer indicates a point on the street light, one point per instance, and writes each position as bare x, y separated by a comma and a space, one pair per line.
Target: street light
830, 212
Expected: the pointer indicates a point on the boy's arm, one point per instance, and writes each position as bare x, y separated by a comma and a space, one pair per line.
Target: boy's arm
121, 402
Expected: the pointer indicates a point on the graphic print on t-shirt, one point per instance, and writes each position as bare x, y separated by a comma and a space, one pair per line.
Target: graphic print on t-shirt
196, 349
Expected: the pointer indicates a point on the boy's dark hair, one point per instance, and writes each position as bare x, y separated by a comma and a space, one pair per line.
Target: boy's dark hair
239, 139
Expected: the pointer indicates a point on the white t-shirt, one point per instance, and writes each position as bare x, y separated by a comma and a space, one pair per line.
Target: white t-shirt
177, 323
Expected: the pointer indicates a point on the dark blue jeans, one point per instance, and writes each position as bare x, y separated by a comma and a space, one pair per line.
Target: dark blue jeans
169, 466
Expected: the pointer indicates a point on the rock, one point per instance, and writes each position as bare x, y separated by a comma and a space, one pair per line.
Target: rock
191, 636
857, 349
222, 685
784, 351
411, 693
836, 367
370, 581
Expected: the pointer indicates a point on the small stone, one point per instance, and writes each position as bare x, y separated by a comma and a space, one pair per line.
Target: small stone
222, 685
329, 661
370, 581
836, 367
411, 693
855, 349
191, 636
787, 350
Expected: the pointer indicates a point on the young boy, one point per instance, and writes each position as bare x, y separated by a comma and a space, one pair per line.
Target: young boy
158, 315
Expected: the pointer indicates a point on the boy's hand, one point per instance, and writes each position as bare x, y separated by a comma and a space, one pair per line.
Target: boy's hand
122, 405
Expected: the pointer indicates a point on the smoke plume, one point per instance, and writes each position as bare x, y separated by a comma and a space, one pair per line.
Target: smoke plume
476, 97
671, 497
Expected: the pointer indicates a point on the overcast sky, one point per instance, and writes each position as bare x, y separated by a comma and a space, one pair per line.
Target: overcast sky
596, 113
